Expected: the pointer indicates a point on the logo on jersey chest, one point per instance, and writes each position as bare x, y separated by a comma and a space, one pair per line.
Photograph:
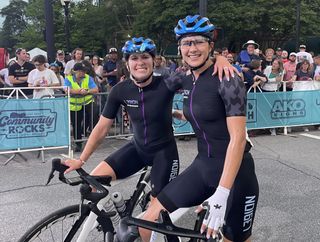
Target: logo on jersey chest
132, 103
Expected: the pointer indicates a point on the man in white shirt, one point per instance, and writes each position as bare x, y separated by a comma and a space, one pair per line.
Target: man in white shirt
303, 55
77, 57
42, 77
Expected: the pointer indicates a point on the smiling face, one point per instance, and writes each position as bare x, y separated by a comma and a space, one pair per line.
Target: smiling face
195, 50
140, 65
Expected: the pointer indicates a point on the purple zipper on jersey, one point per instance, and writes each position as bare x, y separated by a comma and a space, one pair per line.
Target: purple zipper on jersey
143, 115
194, 119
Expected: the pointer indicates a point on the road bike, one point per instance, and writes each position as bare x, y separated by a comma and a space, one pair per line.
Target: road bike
98, 215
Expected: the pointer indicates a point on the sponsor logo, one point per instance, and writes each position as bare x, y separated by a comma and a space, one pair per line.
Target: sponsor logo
251, 110
174, 170
27, 123
132, 103
291, 108
248, 212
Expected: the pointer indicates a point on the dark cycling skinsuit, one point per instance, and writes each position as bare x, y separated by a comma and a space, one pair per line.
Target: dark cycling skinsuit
207, 103
153, 143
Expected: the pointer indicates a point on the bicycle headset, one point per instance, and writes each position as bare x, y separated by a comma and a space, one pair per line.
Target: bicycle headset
139, 45
194, 25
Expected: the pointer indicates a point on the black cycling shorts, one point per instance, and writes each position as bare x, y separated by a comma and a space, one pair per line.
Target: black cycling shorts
201, 179
129, 159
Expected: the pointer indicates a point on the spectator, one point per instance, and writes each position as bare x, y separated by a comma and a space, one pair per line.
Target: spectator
230, 58
274, 74
159, 69
98, 68
60, 58
28, 58
302, 78
172, 65
82, 86
18, 71
289, 70
56, 69
316, 75
42, 77
284, 56
77, 57
303, 55
278, 53
254, 76
247, 55
182, 68
225, 52
110, 67
4, 75
268, 58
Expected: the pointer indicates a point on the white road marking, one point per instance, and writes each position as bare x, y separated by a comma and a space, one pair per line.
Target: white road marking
311, 136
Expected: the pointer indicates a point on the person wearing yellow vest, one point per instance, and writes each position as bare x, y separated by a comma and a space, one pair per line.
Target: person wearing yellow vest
82, 86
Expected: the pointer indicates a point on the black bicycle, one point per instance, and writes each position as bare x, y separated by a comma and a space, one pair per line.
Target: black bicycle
92, 220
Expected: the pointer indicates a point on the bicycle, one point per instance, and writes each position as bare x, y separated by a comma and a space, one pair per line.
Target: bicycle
90, 222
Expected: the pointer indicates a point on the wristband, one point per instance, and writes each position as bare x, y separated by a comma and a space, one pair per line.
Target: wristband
82, 161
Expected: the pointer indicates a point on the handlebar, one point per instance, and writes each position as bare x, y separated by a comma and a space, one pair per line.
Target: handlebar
88, 182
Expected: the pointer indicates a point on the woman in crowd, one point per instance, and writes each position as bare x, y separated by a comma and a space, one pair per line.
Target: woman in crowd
302, 79
222, 174
274, 74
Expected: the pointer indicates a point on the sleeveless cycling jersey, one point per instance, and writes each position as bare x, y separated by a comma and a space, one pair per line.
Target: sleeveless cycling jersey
149, 109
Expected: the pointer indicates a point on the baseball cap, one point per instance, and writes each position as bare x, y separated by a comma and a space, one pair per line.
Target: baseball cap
113, 50
79, 67
279, 49
293, 53
60, 52
303, 47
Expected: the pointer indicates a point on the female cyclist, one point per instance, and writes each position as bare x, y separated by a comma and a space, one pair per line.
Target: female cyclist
222, 174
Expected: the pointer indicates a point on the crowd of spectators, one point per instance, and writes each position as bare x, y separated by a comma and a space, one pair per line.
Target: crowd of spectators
270, 71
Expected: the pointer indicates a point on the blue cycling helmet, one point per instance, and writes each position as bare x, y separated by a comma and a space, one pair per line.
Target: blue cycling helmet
194, 25
139, 45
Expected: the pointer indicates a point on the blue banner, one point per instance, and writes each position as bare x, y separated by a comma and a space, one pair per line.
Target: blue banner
279, 109
180, 126
32, 123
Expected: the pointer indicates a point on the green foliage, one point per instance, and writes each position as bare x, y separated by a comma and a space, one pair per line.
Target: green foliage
14, 23
108, 24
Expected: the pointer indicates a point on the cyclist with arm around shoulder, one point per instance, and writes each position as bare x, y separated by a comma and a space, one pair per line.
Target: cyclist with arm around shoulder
222, 174
153, 142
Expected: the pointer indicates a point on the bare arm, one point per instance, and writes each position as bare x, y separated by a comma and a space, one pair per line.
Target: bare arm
178, 114
14, 80
237, 130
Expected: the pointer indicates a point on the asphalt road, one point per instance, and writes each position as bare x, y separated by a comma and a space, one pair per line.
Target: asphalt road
288, 170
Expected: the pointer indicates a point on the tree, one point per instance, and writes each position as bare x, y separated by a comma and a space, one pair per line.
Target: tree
14, 23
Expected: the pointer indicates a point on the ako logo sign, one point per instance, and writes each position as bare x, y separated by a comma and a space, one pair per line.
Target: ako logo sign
292, 108
27, 123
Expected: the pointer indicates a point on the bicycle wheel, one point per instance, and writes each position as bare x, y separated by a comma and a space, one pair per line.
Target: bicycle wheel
64, 225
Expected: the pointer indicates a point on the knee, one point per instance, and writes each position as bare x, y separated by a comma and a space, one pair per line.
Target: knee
152, 215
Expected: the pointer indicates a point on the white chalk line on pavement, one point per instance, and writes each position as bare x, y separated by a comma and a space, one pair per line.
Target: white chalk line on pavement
311, 136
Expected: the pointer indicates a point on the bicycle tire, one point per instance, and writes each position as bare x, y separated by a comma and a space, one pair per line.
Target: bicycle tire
47, 229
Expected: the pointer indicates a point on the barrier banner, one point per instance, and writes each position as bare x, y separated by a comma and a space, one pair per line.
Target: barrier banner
180, 126
279, 109
32, 123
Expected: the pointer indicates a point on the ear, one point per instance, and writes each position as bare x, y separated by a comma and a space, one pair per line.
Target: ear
211, 44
